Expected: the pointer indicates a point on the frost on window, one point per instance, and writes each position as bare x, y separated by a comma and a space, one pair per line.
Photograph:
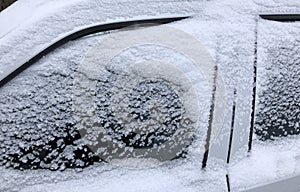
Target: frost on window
278, 110
153, 106
37, 129
151, 112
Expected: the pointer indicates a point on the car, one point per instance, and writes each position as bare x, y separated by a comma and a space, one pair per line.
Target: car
149, 96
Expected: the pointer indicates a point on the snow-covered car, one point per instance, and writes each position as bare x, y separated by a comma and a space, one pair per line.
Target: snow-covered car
150, 95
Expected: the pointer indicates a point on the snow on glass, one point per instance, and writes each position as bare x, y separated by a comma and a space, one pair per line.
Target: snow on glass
38, 127
278, 111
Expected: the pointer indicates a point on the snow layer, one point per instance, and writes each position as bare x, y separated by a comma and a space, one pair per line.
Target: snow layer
226, 28
268, 162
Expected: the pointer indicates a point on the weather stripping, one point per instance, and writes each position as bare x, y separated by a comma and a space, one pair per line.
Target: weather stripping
211, 117
281, 17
